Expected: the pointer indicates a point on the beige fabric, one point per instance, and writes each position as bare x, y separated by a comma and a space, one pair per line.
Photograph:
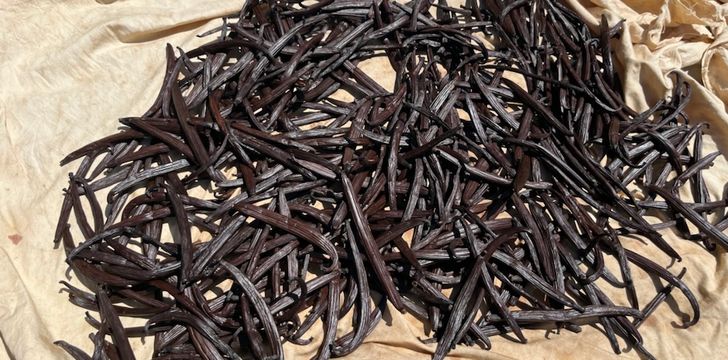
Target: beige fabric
70, 70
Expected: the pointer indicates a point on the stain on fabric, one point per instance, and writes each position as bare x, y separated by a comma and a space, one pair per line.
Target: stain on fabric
15, 238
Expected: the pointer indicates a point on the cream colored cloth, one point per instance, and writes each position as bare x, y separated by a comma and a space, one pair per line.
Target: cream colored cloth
70, 69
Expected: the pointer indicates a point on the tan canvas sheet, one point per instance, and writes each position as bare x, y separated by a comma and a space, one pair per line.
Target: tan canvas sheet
69, 69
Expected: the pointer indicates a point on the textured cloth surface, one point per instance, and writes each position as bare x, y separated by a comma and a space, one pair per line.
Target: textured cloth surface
70, 70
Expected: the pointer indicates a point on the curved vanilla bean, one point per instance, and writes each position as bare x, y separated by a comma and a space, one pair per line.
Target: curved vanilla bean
263, 311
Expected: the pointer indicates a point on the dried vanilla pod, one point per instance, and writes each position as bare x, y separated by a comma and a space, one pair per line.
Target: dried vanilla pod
274, 182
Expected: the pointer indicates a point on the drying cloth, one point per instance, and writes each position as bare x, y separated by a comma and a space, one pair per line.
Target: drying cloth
69, 69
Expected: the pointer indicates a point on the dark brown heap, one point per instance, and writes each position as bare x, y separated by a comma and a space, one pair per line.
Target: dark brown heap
248, 202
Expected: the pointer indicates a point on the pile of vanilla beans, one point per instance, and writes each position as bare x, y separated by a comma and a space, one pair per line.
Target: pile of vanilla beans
274, 185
